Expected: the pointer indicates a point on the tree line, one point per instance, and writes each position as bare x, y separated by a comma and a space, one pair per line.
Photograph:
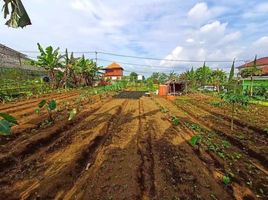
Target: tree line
205, 75
67, 70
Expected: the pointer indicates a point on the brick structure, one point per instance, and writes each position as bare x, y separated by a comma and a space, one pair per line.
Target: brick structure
113, 72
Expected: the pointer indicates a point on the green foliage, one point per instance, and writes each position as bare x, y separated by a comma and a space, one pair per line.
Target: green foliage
195, 140
203, 75
18, 15
226, 180
9, 118
218, 78
193, 126
175, 121
216, 103
133, 76
42, 103
52, 105
159, 78
6, 123
231, 75
234, 98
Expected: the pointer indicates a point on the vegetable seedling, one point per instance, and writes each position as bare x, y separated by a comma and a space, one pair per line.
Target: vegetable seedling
50, 105
175, 121
226, 180
6, 123
195, 140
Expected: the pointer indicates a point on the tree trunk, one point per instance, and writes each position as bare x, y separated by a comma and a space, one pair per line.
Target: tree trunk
52, 76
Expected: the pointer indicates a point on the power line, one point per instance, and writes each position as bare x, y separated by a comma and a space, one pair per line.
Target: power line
147, 58
134, 64
79, 52
164, 59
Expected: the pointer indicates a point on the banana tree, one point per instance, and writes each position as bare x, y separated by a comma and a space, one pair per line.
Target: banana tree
70, 63
89, 70
18, 16
50, 60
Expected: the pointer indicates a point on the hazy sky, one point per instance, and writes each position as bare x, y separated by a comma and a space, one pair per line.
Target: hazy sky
171, 29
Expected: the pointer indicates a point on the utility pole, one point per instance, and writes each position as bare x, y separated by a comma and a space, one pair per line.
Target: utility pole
96, 58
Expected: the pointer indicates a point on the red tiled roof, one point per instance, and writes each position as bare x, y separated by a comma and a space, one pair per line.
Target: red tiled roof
114, 66
260, 62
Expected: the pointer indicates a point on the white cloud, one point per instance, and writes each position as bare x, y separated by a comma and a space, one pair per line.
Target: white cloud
199, 12
214, 27
190, 40
263, 41
162, 29
212, 41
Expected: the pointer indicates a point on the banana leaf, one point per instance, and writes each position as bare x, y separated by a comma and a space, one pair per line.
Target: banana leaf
18, 16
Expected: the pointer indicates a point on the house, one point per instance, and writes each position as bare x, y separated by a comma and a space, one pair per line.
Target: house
140, 77
262, 63
113, 72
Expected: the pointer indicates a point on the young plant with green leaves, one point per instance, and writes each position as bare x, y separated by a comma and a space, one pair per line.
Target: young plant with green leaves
226, 180
6, 123
175, 121
195, 140
234, 99
50, 106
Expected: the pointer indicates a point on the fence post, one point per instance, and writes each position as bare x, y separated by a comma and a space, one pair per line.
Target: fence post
19, 59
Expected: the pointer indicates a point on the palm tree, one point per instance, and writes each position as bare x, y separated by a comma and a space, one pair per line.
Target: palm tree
203, 74
250, 72
173, 76
50, 60
18, 15
218, 78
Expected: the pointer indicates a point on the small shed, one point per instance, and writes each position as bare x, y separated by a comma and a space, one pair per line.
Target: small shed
175, 88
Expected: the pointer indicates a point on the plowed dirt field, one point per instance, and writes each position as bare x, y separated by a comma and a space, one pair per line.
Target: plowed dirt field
127, 147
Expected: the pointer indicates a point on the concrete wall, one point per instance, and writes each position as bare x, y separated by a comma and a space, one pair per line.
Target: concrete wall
10, 58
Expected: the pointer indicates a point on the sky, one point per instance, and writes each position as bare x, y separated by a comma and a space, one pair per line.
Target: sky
212, 30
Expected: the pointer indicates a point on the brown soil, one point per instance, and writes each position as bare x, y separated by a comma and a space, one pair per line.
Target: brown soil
126, 147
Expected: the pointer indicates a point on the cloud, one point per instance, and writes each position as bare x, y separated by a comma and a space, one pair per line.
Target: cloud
201, 13
215, 30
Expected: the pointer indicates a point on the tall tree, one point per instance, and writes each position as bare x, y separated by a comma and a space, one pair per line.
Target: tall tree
203, 75
133, 76
218, 78
250, 72
18, 15
231, 75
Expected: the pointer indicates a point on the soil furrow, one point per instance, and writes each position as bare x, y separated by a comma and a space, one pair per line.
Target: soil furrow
146, 168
